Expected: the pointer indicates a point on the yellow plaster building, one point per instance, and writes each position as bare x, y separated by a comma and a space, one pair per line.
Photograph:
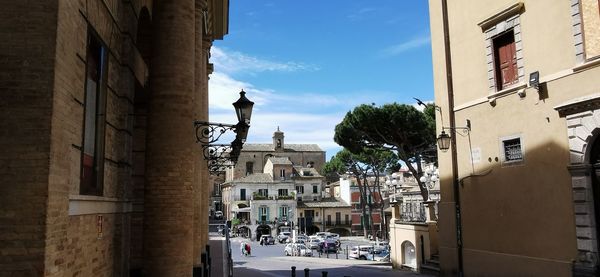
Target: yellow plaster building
520, 191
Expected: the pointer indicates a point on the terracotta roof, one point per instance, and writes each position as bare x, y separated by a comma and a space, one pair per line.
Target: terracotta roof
254, 178
280, 160
257, 147
312, 173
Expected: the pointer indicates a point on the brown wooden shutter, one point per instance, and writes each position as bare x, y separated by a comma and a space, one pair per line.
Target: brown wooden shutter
506, 60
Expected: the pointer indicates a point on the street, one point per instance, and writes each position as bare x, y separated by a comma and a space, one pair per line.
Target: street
271, 261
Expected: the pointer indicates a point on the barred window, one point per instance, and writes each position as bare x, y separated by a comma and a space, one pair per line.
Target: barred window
511, 149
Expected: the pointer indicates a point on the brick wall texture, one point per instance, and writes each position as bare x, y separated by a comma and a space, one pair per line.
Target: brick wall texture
151, 216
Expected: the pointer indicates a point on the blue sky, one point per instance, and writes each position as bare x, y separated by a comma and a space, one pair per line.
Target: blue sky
306, 63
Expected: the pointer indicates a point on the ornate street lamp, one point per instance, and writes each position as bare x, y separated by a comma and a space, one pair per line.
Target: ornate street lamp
392, 184
430, 177
243, 108
443, 141
221, 156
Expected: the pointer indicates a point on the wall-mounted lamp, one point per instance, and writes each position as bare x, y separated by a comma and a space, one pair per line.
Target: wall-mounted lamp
220, 156
534, 80
444, 139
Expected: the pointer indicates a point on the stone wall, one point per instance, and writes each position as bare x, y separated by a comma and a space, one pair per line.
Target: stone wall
26, 78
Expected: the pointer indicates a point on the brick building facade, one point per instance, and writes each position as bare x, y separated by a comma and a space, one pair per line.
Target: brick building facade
96, 172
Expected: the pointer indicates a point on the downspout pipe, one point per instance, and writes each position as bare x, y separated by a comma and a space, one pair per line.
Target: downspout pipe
455, 181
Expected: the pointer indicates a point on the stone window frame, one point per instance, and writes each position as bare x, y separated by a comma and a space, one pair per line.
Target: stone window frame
578, 33
97, 186
501, 142
492, 27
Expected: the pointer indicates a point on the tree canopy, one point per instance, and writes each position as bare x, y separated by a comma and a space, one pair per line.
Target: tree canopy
401, 128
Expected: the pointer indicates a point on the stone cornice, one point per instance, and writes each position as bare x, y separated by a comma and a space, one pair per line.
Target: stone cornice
499, 16
587, 103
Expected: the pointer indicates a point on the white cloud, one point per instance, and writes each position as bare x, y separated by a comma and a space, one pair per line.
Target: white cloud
406, 46
298, 127
304, 117
234, 62
224, 90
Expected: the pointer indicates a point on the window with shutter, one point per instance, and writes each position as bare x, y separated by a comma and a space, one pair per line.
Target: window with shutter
505, 59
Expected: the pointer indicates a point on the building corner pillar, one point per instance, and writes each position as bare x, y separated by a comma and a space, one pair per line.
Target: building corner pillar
168, 197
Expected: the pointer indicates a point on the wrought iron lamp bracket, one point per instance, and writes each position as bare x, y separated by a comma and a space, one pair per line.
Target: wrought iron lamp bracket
463, 130
218, 157
208, 132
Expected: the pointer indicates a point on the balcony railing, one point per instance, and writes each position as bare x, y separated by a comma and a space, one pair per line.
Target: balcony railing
413, 212
265, 222
261, 197
338, 224
286, 197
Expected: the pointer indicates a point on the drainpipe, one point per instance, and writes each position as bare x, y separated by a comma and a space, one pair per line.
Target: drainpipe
455, 182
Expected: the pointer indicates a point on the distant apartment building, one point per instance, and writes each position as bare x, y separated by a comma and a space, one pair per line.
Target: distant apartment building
350, 193
266, 203
520, 191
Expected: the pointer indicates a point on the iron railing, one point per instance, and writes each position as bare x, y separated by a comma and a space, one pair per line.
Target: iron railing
413, 212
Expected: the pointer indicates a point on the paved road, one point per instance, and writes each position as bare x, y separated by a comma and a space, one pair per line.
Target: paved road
270, 261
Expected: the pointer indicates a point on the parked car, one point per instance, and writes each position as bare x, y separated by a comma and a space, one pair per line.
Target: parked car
383, 245
302, 237
314, 243
218, 215
268, 239
360, 252
297, 249
327, 246
301, 241
380, 255
321, 234
283, 237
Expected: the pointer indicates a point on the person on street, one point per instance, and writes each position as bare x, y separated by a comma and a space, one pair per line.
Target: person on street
248, 250
243, 248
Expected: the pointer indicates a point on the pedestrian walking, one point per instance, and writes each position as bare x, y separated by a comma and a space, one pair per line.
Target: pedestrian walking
248, 250
243, 248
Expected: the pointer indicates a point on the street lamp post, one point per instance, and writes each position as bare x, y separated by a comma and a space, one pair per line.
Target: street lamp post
430, 178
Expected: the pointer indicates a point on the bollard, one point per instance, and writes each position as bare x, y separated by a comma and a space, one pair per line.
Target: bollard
306, 272
327, 254
209, 260
323, 273
346, 252
336, 253
293, 271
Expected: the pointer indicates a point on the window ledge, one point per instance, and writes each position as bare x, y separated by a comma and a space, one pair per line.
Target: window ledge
499, 16
87, 204
506, 91
587, 65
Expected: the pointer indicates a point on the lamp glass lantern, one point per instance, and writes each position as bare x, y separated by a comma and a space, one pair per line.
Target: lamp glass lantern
243, 108
443, 141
